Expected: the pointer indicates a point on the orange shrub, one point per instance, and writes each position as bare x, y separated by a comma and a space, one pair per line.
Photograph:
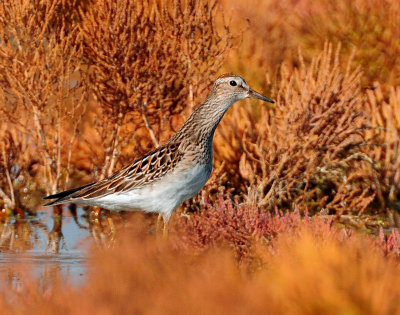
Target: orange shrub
19, 168
384, 148
307, 150
39, 62
307, 267
147, 62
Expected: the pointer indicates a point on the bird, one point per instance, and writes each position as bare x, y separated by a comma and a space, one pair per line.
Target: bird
161, 180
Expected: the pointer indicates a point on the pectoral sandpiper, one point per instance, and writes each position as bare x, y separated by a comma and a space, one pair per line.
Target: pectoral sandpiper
161, 180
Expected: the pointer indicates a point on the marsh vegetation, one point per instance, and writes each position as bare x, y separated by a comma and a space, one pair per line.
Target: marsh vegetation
302, 212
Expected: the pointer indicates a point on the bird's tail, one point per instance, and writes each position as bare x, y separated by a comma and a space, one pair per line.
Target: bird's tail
64, 196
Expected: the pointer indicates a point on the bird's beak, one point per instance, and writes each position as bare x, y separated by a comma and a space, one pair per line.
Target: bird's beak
259, 96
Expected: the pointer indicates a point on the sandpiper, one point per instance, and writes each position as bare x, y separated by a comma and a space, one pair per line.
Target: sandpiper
162, 179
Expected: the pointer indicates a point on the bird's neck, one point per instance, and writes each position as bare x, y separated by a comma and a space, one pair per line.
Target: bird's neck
205, 119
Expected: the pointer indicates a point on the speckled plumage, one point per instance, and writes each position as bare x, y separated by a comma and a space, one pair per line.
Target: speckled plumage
175, 171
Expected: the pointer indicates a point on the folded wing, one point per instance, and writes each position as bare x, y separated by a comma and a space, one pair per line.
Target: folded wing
142, 172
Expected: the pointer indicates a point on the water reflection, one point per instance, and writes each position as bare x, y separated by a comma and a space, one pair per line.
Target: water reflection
52, 244
55, 236
18, 235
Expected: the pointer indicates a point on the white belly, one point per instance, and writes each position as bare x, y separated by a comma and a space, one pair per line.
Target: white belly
163, 196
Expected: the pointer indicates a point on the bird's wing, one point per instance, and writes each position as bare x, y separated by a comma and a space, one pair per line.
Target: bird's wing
142, 172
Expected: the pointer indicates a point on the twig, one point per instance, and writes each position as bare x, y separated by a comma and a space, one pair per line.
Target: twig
114, 152
44, 152
10, 185
148, 127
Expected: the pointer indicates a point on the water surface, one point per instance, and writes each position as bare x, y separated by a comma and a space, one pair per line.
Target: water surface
45, 246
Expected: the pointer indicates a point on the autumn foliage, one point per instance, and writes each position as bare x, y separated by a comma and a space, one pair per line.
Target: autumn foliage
301, 211
303, 265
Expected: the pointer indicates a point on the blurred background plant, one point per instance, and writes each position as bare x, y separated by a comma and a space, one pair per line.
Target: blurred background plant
300, 268
273, 31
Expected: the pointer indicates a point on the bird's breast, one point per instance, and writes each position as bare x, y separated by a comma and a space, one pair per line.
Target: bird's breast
187, 183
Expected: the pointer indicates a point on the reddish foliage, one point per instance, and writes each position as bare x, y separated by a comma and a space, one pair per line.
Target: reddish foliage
244, 227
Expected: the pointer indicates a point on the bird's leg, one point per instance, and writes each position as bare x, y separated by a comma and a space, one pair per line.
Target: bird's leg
166, 218
112, 228
95, 213
158, 223
165, 230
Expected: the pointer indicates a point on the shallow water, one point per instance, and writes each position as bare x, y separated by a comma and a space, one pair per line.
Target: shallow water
53, 245
45, 246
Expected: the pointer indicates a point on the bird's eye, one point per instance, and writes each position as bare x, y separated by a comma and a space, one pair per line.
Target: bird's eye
233, 83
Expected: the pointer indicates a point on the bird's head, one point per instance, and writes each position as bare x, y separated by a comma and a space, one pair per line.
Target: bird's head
235, 87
